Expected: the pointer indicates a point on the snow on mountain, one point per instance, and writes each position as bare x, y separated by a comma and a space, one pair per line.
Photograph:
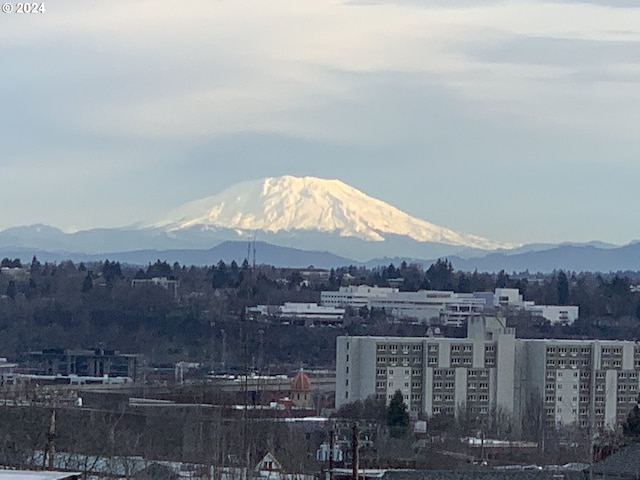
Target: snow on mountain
289, 204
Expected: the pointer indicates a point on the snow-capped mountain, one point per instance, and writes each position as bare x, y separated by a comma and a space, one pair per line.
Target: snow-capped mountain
309, 204
299, 222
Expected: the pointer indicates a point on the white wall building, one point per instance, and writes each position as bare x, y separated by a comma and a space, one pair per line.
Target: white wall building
564, 314
354, 296
164, 282
305, 313
430, 306
435, 375
443, 307
589, 383
510, 298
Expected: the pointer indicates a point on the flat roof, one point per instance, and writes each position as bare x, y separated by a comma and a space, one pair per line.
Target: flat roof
36, 475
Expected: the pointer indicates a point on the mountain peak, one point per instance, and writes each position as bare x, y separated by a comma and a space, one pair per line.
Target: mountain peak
289, 204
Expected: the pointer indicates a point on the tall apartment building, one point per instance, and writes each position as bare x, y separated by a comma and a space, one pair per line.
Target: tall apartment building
435, 375
591, 383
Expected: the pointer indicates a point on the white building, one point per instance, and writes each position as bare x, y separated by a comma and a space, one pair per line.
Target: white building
435, 375
442, 307
430, 306
510, 298
563, 314
589, 383
586, 382
164, 282
303, 313
354, 296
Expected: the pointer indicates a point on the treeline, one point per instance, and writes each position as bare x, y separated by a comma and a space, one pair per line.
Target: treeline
68, 305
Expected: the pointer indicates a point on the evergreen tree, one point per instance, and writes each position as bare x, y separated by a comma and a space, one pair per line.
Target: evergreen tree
158, 269
397, 415
563, 288
631, 426
502, 280
464, 285
34, 269
440, 275
219, 278
87, 284
12, 291
391, 271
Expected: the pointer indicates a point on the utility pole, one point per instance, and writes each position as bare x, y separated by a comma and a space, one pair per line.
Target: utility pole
331, 447
354, 452
50, 451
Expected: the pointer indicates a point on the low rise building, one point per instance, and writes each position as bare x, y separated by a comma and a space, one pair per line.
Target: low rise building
430, 306
300, 313
164, 282
511, 298
354, 296
555, 314
96, 362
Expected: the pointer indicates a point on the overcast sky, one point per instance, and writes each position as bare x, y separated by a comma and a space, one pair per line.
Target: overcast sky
514, 120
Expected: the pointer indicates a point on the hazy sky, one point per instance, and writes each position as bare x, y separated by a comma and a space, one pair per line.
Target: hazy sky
515, 120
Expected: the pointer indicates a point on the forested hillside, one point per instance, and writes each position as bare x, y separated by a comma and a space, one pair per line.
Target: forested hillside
69, 305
